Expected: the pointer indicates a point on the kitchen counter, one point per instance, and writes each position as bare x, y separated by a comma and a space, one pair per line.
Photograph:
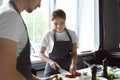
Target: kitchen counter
82, 77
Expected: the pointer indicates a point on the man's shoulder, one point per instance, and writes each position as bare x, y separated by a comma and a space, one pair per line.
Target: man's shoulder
7, 9
49, 32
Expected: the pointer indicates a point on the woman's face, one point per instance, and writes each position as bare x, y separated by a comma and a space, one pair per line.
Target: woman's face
58, 24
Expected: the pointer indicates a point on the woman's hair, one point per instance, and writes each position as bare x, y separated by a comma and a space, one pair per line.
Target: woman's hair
58, 13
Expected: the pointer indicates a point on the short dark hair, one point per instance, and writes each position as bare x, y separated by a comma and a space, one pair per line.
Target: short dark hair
58, 13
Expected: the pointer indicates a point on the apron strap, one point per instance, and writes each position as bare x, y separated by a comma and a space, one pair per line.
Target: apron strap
54, 35
15, 7
23, 61
66, 32
13, 4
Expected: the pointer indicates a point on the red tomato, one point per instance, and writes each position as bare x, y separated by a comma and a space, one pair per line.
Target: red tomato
69, 76
73, 76
77, 74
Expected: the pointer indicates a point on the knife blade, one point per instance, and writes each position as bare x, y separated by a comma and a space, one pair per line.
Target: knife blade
89, 65
61, 70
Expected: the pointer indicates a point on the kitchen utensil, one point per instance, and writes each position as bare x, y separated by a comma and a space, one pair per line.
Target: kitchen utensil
89, 65
63, 71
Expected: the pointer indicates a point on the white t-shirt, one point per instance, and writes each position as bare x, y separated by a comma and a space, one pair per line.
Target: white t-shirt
48, 39
12, 27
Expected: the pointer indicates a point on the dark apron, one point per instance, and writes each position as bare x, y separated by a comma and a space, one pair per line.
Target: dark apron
23, 61
61, 54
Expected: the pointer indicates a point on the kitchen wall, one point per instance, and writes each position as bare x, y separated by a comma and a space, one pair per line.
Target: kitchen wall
118, 20
111, 24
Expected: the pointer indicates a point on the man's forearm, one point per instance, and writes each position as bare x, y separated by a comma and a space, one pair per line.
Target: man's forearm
14, 75
19, 76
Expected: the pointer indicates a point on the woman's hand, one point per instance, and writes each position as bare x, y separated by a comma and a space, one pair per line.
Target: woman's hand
72, 69
54, 65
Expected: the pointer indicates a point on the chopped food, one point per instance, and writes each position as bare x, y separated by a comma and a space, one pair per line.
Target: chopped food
85, 73
73, 76
60, 78
112, 74
55, 77
77, 74
69, 76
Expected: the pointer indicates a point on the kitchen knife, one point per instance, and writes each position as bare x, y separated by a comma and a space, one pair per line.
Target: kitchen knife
63, 71
89, 65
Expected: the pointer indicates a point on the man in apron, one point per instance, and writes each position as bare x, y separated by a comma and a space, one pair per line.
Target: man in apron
14, 41
61, 44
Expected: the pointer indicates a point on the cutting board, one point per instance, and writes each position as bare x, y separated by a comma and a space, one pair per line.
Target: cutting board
79, 78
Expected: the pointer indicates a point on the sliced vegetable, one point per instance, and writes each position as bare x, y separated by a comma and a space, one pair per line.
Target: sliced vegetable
73, 76
69, 76
77, 74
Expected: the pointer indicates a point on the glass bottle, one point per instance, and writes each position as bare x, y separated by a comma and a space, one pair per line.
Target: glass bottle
105, 64
94, 70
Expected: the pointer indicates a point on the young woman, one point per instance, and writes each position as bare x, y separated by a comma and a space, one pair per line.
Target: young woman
60, 44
